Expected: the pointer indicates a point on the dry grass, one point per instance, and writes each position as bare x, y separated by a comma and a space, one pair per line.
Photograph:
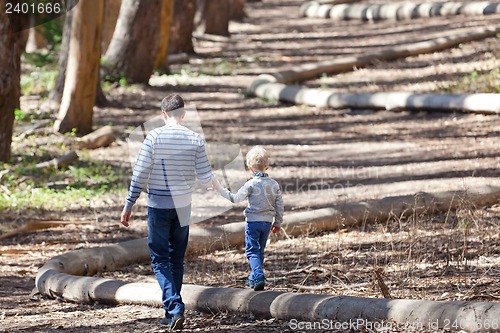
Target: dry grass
453, 256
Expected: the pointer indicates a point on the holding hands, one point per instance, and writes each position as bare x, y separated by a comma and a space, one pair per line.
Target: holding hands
215, 184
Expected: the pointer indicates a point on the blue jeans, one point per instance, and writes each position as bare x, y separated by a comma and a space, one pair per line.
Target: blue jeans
167, 242
256, 234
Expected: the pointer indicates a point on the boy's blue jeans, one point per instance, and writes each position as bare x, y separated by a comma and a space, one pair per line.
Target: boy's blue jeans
256, 234
167, 242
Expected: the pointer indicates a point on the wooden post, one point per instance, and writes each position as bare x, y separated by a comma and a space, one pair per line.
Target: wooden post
102, 137
60, 161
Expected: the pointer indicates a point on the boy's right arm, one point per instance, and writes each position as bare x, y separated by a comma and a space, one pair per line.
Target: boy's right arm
280, 208
239, 196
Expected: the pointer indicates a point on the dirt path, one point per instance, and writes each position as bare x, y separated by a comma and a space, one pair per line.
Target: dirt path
320, 157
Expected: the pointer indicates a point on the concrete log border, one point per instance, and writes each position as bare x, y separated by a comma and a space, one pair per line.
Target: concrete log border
396, 11
393, 101
69, 276
348, 63
274, 86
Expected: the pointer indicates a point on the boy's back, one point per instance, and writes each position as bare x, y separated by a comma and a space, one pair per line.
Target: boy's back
265, 203
262, 199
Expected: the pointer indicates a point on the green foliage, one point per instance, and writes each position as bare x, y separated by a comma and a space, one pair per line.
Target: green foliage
477, 82
270, 101
219, 68
24, 116
123, 81
20, 114
39, 60
38, 82
27, 186
119, 78
52, 32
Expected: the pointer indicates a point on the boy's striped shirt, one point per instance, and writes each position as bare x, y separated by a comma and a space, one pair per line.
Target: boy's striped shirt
171, 158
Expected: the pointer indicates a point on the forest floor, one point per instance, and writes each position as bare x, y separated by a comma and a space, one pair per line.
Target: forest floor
321, 157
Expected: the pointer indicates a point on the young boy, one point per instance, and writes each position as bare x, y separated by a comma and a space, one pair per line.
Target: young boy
263, 213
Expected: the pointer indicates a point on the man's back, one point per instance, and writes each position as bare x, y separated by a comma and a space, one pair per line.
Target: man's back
170, 160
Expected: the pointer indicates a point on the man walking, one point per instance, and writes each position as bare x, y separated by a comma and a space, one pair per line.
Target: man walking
171, 158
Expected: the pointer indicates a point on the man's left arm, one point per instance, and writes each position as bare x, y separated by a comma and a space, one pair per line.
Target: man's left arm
203, 168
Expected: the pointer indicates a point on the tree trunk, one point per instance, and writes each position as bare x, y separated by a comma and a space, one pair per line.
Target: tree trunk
215, 17
237, 10
100, 97
36, 40
10, 71
134, 47
53, 101
167, 11
82, 69
111, 13
181, 31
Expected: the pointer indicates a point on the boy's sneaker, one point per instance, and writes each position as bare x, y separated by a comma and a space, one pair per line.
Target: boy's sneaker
259, 284
177, 322
249, 283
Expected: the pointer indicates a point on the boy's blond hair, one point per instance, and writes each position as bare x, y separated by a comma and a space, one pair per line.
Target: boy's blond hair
258, 158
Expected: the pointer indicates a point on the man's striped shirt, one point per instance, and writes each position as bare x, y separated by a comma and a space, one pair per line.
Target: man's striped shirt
171, 158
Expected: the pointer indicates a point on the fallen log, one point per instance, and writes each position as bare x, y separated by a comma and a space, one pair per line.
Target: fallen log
102, 137
396, 11
393, 101
342, 311
347, 63
59, 161
178, 58
203, 240
64, 277
209, 239
38, 225
54, 163
32, 129
411, 314
311, 8
5, 171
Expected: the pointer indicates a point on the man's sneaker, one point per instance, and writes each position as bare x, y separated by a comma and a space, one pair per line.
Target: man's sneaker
249, 283
177, 322
259, 284
165, 321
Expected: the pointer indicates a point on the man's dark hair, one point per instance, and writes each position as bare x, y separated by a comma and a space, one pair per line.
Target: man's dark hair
173, 105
